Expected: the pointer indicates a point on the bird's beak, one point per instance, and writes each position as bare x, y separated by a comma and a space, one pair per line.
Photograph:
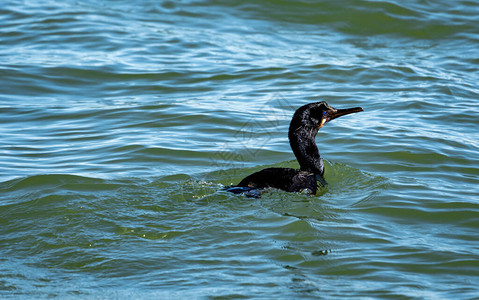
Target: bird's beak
336, 113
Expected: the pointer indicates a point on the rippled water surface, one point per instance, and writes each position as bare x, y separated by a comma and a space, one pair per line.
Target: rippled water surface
121, 121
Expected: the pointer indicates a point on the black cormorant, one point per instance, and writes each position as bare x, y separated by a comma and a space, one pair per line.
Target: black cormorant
306, 122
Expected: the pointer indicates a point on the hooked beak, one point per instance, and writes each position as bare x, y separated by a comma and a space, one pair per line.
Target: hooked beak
336, 113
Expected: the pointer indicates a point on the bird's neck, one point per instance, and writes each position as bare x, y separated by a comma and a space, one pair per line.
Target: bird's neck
302, 141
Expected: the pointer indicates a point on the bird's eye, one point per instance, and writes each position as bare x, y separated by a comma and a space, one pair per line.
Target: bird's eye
324, 113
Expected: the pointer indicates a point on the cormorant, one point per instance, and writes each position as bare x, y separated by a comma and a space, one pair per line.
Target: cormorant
306, 122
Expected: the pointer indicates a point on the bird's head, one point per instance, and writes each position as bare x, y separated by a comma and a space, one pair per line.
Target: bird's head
319, 113
303, 129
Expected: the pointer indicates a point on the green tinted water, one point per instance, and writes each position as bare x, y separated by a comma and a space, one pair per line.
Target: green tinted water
121, 122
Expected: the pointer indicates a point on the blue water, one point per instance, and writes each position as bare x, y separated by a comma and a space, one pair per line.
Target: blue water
121, 122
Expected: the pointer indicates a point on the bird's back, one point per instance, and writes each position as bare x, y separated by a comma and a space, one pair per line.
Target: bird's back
287, 179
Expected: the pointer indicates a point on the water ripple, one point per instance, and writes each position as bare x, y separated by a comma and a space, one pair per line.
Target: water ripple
122, 123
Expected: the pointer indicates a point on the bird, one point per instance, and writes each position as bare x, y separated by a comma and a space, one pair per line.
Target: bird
304, 126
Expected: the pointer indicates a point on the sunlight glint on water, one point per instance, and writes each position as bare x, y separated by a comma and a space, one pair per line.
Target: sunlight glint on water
122, 122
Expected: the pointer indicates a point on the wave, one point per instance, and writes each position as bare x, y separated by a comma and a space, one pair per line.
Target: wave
413, 19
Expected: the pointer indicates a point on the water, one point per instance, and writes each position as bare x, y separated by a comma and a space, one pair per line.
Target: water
121, 122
